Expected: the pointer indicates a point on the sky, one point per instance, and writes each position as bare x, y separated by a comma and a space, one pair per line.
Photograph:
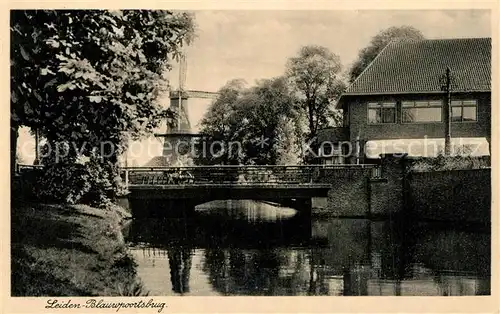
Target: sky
256, 44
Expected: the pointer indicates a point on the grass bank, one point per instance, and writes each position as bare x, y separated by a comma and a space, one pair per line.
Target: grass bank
63, 250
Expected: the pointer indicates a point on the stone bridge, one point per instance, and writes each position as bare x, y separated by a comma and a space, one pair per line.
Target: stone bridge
178, 187
175, 189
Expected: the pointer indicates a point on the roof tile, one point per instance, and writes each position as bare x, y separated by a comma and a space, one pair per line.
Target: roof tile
417, 66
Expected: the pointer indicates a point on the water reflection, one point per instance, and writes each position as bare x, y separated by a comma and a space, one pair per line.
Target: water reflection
249, 210
237, 251
180, 268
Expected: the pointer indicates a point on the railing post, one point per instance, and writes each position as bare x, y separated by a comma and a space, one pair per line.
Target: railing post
126, 178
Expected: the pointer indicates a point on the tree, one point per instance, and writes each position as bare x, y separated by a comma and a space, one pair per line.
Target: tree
218, 125
289, 140
270, 114
378, 42
253, 125
91, 79
314, 73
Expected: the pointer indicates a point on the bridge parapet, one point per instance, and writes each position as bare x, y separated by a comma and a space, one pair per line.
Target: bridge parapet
241, 175
236, 175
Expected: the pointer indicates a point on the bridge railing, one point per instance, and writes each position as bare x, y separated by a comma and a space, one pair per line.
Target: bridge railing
21, 168
229, 174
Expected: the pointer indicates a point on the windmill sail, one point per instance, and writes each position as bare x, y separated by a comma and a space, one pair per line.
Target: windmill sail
179, 130
179, 103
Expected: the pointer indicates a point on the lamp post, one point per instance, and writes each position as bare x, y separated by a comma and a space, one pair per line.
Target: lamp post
37, 148
446, 82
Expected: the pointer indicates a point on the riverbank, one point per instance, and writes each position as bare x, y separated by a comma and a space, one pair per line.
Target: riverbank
70, 250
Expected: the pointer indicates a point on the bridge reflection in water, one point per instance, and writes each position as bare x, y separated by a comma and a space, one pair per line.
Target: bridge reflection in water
253, 248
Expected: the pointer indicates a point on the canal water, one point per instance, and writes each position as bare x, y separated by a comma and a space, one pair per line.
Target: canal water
254, 248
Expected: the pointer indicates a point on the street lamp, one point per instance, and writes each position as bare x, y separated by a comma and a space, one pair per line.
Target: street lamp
447, 82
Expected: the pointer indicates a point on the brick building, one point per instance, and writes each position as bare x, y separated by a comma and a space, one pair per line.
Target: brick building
397, 104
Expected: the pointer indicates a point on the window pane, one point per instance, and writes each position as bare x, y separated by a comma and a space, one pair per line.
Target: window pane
327, 149
408, 115
389, 105
456, 114
469, 114
469, 102
429, 114
337, 150
388, 115
338, 160
346, 117
374, 115
435, 103
407, 103
373, 105
422, 114
421, 104
456, 103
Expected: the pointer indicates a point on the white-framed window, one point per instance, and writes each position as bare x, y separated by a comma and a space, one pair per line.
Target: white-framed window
328, 149
381, 112
345, 117
336, 160
421, 111
463, 110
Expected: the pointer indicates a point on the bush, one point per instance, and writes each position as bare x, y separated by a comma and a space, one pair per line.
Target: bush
69, 179
23, 186
132, 289
63, 183
105, 183
441, 163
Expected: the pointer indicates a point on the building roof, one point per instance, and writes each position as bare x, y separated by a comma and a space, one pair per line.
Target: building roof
416, 67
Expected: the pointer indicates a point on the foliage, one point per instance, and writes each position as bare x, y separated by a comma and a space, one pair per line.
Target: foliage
272, 120
92, 78
62, 183
457, 162
102, 68
378, 42
72, 179
289, 138
266, 110
314, 73
258, 125
218, 124
133, 289
19, 159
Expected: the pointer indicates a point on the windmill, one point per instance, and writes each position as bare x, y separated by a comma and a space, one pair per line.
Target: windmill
180, 128
179, 101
